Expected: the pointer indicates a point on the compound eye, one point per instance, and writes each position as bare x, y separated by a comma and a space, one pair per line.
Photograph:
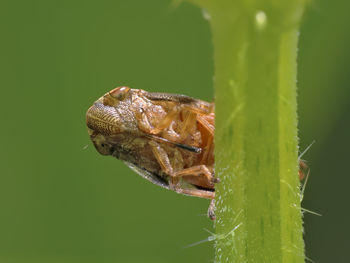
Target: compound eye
116, 95
119, 93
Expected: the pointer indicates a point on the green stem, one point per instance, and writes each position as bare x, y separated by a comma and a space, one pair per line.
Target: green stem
256, 145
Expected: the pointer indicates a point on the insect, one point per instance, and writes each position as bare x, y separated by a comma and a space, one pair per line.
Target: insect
166, 138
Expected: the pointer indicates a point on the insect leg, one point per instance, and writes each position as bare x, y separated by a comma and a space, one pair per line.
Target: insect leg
164, 163
197, 171
196, 192
162, 158
211, 210
165, 123
208, 123
142, 121
146, 126
207, 150
188, 124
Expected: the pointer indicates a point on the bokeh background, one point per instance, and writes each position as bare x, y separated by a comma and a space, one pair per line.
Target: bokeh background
62, 202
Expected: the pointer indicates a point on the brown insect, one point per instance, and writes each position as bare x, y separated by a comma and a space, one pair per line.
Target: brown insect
166, 138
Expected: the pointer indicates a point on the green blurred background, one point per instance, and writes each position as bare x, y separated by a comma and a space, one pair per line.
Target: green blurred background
63, 203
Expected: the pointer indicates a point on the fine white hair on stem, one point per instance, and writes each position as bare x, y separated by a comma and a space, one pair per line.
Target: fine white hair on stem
302, 196
310, 211
304, 186
216, 236
309, 259
213, 237
305, 151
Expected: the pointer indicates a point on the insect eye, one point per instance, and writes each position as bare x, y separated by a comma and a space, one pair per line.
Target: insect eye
119, 93
113, 97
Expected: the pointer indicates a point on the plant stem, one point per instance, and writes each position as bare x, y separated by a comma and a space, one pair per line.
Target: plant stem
256, 144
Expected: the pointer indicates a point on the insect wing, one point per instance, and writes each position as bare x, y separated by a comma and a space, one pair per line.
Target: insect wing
155, 179
148, 175
181, 99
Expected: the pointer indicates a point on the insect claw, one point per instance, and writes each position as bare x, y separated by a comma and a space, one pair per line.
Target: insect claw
216, 180
211, 215
211, 210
